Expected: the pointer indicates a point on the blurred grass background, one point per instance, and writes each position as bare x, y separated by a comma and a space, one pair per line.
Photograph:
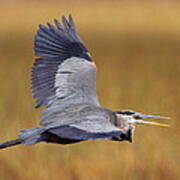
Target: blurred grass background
136, 47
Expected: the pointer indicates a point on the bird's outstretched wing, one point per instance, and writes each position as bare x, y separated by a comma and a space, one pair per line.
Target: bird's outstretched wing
64, 73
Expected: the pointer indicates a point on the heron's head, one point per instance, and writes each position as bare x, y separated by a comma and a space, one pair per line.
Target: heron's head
127, 119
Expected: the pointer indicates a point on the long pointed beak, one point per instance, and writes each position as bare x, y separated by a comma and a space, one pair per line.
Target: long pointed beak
149, 116
140, 116
135, 121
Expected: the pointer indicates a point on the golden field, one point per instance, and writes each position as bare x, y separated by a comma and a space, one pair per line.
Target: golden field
137, 50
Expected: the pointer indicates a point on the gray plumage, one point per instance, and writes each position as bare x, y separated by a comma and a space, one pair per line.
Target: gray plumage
62, 59
64, 80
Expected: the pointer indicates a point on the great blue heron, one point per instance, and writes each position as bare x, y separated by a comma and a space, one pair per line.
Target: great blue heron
64, 80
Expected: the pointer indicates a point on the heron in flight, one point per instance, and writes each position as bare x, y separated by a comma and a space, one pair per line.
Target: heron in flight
64, 81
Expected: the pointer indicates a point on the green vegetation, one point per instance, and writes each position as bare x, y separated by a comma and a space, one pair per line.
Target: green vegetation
136, 48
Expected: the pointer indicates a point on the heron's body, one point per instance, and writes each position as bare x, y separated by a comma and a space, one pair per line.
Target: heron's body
64, 80
77, 122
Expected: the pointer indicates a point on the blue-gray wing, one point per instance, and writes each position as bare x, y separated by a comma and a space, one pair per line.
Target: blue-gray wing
88, 129
74, 133
64, 72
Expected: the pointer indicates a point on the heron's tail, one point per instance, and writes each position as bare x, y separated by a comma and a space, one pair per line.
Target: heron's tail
27, 137
13, 142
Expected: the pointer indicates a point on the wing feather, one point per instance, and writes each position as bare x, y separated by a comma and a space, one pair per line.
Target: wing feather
74, 133
89, 126
63, 73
